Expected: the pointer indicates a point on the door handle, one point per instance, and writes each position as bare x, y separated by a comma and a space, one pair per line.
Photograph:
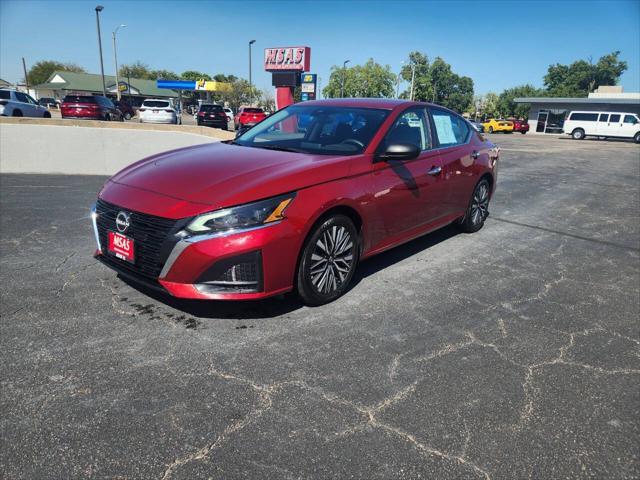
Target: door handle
475, 154
434, 171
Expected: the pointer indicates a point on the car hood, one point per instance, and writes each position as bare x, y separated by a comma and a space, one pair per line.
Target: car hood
221, 175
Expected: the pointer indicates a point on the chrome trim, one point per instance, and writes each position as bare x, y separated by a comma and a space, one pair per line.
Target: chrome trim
94, 218
179, 247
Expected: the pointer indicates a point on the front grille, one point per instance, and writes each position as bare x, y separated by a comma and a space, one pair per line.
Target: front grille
151, 237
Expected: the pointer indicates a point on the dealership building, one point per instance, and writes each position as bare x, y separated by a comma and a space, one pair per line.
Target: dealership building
132, 90
547, 114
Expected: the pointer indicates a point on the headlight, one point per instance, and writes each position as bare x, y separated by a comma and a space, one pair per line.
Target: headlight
243, 216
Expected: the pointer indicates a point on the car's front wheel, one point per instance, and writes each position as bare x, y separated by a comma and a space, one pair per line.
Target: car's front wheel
490, 129
127, 116
328, 261
577, 134
478, 209
636, 138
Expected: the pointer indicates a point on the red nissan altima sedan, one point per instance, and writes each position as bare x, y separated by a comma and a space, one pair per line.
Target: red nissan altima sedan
295, 202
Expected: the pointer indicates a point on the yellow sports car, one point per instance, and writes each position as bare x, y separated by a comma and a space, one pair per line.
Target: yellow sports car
493, 125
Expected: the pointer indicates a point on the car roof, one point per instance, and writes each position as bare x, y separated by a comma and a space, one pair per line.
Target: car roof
382, 103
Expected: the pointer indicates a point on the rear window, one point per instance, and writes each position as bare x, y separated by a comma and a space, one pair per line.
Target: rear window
210, 108
252, 110
585, 117
5, 94
155, 104
79, 99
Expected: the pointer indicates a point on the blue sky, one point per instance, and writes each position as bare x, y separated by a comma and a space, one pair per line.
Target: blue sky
499, 44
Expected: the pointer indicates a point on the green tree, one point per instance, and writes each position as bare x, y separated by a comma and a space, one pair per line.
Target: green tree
239, 94
489, 106
137, 70
194, 75
42, 70
506, 106
370, 80
582, 76
165, 75
422, 87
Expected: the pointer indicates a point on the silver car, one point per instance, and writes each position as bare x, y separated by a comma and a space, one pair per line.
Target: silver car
19, 104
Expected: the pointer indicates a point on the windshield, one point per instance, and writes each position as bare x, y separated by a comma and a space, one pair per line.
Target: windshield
252, 110
79, 99
155, 104
316, 129
210, 108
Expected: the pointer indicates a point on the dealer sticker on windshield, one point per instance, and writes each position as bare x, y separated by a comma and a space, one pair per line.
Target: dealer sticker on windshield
121, 246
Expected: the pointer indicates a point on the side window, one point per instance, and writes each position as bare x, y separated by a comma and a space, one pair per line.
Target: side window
450, 128
603, 117
410, 127
31, 100
614, 118
21, 97
630, 119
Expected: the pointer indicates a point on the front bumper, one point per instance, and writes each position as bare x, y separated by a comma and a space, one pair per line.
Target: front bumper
243, 265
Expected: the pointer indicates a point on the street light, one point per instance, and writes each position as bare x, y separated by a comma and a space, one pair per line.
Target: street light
344, 74
99, 8
413, 77
115, 60
250, 84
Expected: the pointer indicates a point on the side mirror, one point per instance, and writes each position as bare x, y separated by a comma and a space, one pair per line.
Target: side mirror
399, 151
242, 130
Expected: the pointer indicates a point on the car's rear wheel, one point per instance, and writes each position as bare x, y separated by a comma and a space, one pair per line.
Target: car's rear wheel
16, 113
46, 115
478, 209
577, 134
127, 116
636, 138
328, 261
107, 117
523, 132
490, 129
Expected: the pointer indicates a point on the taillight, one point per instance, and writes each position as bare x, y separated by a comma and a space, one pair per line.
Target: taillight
201, 114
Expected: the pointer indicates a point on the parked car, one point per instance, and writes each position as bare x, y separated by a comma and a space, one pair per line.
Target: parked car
521, 126
603, 124
248, 116
278, 209
19, 104
126, 110
229, 113
477, 125
48, 102
154, 110
213, 116
91, 107
492, 125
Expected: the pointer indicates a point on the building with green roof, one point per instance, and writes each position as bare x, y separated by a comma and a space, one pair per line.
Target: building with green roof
134, 90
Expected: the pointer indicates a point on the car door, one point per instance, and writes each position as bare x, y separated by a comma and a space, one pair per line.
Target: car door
407, 194
602, 128
629, 125
28, 110
457, 155
614, 125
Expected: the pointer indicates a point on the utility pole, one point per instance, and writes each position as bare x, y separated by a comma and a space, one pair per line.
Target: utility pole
99, 8
413, 78
250, 83
344, 75
24, 68
115, 60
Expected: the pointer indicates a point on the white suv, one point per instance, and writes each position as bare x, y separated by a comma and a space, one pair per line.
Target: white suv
157, 110
18, 104
603, 124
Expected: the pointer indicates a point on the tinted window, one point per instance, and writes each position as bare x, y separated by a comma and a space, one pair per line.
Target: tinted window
630, 119
210, 108
316, 129
252, 110
155, 104
614, 118
410, 127
449, 128
21, 97
585, 117
79, 99
5, 95
604, 117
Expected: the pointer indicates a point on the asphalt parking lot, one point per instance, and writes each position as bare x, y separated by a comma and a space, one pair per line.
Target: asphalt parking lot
511, 353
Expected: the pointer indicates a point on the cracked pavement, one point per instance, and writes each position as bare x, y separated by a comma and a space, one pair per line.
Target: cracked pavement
510, 353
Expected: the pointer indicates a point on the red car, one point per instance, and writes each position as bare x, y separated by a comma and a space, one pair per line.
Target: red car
521, 126
290, 207
93, 107
248, 116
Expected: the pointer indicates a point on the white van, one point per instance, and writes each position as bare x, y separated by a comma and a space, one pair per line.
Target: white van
603, 124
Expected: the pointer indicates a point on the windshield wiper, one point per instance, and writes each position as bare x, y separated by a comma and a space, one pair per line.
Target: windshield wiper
277, 147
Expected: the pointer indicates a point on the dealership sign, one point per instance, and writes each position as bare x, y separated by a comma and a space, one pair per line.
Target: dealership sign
287, 58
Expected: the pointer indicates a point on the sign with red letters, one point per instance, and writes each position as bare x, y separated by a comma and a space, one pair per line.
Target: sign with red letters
121, 246
287, 58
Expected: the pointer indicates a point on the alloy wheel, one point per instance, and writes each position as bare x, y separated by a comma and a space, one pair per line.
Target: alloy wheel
331, 260
480, 204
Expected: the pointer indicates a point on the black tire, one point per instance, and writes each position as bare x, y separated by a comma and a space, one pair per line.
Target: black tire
578, 134
225, 127
478, 208
107, 118
523, 132
46, 115
490, 129
16, 113
325, 274
127, 116
636, 138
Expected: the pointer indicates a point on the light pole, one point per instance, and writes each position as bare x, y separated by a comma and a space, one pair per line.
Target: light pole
398, 80
250, 84
99, 8
344, 75
413, 77
115, 60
